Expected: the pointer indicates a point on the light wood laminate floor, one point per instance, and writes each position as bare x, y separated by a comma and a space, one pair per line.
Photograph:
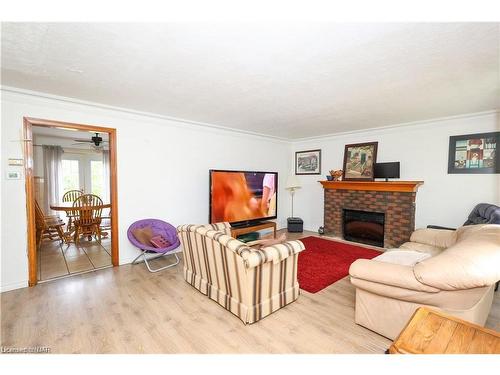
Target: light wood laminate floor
126, 309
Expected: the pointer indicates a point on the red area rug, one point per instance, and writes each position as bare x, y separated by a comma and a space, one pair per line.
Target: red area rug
325, 261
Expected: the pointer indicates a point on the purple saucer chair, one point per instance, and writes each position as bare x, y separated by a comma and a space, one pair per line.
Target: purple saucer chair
159, 227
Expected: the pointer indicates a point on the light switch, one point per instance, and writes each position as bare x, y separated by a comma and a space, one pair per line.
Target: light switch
13, 175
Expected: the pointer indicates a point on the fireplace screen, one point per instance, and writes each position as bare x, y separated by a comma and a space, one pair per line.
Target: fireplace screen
364, 227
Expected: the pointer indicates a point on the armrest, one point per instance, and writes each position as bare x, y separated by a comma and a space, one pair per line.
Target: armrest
403, 294
434, 237
274, 253
389, 274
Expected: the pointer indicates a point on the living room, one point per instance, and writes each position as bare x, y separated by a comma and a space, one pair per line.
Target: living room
187, 102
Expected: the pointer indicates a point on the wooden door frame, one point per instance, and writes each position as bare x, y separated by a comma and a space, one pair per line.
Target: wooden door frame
28, 124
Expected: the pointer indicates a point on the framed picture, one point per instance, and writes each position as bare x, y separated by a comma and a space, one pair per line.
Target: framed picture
308, 162
474, 153
359, 160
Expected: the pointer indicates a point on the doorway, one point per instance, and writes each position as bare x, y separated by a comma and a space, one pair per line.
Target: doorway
85, 165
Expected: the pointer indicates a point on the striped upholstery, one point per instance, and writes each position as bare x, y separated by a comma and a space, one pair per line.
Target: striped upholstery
248, 282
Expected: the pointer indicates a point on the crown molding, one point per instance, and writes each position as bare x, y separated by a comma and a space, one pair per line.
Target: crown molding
197, 124
194, 124
412, 124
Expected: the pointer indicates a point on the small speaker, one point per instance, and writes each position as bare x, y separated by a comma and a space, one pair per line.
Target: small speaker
295, 224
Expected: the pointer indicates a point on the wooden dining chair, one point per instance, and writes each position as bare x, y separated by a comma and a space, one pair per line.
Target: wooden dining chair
87, 212
71, 196
106, 223
47, 226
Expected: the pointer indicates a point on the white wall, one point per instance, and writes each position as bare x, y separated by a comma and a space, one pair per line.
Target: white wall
444, 199
162, 170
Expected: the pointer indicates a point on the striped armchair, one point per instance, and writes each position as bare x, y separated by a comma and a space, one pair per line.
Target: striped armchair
248, 282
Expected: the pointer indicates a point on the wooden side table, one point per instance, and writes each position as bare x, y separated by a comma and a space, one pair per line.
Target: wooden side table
434, 332
235, 232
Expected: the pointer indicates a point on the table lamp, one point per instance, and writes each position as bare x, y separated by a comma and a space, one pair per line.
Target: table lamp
292, 184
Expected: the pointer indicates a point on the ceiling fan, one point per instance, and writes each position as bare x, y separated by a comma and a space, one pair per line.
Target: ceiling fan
96, 140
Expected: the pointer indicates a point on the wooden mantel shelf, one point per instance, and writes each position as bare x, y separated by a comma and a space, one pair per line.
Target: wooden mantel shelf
396, 186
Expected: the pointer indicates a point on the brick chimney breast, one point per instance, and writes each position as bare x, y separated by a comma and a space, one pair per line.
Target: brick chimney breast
395, 199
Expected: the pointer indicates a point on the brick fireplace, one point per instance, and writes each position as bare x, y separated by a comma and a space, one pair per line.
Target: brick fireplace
395, 199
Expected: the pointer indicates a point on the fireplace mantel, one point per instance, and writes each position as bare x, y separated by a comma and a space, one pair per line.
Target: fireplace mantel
395, 186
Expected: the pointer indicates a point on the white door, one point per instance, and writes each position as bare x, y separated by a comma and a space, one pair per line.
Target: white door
96, 176
73, 174
83, 172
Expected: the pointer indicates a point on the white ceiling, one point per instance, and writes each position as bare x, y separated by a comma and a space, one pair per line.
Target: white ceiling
289, 81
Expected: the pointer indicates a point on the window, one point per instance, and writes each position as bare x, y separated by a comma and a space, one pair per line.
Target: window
70, 175
96, 177
84, 171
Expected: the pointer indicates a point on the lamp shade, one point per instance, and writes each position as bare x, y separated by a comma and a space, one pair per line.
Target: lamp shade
292, 182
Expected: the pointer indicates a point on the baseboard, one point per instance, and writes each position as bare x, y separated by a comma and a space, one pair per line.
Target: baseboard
24, 283
13, 286
312, 228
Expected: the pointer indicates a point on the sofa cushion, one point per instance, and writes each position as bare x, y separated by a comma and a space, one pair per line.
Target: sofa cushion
422, 248
434, 237
402, 257
387, 273
469, 231
473, 262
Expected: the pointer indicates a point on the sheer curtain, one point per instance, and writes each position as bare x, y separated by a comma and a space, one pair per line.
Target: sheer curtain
106, 181
52, 158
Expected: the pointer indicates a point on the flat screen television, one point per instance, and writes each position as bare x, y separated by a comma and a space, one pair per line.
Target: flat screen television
241, 197
386, 170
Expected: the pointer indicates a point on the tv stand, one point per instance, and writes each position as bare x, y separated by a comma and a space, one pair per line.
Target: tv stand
253, 227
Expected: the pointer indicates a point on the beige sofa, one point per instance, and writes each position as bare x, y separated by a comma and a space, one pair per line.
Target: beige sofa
251, 283
452, 271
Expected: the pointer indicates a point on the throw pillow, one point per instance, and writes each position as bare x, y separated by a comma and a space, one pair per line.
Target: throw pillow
160, 242
143, 235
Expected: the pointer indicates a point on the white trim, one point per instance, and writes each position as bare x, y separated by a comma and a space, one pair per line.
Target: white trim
198, 124
12, 286
24, 284
400, 125
65, 99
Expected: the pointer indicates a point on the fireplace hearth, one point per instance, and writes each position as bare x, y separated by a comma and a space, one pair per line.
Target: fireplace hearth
363, 226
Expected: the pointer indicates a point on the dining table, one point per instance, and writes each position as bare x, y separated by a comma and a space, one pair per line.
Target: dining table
67, 207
